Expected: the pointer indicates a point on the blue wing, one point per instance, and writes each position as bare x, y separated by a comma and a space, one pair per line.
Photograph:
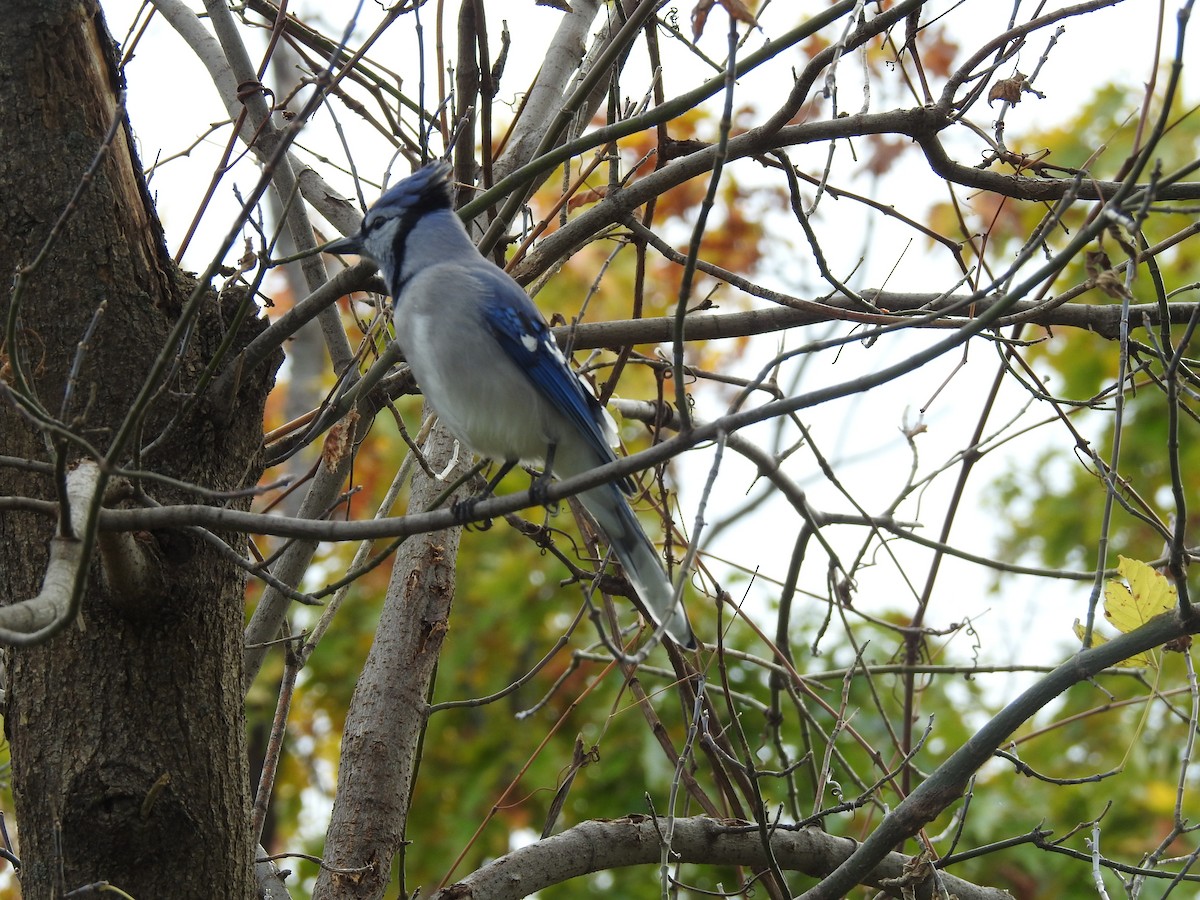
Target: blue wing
523, 334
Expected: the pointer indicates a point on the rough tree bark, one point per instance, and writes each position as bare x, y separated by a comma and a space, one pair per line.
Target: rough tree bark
127, 730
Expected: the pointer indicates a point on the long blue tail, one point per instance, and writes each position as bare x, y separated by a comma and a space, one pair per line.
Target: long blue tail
638, 557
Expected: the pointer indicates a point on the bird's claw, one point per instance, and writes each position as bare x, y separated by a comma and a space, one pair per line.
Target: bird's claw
464, 514
539, 488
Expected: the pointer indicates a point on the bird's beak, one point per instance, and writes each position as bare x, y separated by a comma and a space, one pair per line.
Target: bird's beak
344, 245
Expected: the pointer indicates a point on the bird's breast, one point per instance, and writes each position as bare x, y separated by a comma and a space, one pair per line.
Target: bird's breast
477, 391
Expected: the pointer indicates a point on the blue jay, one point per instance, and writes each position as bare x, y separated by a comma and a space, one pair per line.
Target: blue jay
488, 364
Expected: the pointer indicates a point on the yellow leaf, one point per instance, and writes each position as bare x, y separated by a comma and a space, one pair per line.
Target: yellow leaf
1140, 661
1149, 594
1097, 637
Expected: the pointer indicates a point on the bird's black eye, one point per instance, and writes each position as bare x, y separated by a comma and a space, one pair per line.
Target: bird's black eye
370, 225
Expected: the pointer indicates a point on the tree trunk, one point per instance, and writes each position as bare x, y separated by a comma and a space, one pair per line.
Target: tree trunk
126, 728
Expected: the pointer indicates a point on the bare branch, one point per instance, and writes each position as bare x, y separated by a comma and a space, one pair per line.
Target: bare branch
596, 846
945, 786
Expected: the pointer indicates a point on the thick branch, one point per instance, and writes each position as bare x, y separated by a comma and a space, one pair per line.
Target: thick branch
596, 846
563, 56
66, 564
930, 122
1104, 320
386, 719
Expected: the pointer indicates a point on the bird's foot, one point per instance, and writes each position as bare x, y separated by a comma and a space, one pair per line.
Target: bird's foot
464, 513
539, 488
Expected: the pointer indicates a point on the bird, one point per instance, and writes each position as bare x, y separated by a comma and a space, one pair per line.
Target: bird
489, 366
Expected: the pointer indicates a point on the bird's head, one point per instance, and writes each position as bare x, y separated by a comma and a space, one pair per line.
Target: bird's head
386, 226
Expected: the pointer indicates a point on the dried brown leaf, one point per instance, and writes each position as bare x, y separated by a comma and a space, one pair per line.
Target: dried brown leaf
736, 8
1181, 644
1100, 270
339, 441
700, 17
1095, 262
1008, 89
583, 198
